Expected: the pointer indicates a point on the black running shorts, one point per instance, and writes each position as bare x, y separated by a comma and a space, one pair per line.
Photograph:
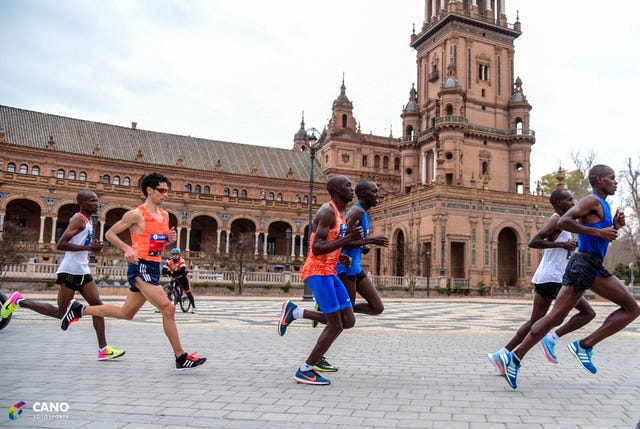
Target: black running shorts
548, 290
73, 281
582, 270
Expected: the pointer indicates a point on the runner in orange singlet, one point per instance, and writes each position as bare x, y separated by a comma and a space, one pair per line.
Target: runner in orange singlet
329, 233
148, 225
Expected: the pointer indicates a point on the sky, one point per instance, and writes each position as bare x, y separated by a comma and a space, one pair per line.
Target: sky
244, 71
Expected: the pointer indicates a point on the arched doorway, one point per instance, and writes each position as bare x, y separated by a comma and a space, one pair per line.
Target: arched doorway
507, 257
399, 251
203, 235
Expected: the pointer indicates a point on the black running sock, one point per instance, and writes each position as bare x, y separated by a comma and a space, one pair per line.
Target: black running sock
581, 343
516, 359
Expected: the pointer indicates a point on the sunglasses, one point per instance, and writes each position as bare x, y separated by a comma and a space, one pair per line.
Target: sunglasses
161, 190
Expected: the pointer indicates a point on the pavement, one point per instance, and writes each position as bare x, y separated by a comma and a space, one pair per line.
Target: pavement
421, 364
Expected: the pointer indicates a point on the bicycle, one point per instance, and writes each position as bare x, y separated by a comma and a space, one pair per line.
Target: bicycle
178, 296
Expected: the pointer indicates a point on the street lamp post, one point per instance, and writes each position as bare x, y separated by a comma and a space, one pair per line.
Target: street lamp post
287, 266
96, 236
428, 255
442, 247
307, 292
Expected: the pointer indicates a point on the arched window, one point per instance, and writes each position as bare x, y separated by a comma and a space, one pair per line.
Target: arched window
187, 187
116, 180
234, 193
226, 192
385, 162
409, 133
449, 110
243, 194
271, 196
35, 170
344, 121
485, 167
11, 167
198, 189
24, 169
306, 199
376, 161
519, 126
72, 175
279, 197
83, 176
207, 189
314, 200
106, 179
396, 164
126, 181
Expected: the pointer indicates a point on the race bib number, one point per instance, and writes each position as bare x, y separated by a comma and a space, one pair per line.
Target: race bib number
343, 230
157, 244
87, 241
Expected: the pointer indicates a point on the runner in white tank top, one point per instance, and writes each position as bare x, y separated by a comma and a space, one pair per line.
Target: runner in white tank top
547, 280
74, 273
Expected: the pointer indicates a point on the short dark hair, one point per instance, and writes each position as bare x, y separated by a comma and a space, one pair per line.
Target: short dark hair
362, 187
152, 180
84, 195
598, 171
557, 195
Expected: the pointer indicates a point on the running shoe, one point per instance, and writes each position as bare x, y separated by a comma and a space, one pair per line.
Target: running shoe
11, 304
323, 366
314, 323
186, 361
286, 317
109, 353
73, 313
583, 356
510, 369
495, 359
310, 377
193, 311
548, 348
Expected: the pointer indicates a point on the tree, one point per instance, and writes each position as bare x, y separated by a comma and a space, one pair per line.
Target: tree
630, 196
577, 181
13, 244
240, 259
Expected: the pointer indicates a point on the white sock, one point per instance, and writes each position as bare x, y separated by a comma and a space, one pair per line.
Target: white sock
18, 301
298, 313
552, 336
503, 350
306, 367
102, 349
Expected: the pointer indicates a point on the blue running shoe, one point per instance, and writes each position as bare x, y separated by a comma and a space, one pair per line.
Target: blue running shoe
310, 377
510, 369
548, 348
583, 356
286, 317
495, 359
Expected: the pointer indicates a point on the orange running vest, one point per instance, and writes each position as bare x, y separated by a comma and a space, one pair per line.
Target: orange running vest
325, 265
153, 240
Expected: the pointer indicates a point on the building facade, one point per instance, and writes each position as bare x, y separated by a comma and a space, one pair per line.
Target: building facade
457, 203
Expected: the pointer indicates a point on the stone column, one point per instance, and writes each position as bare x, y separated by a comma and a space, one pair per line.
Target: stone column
41, 238
255, 251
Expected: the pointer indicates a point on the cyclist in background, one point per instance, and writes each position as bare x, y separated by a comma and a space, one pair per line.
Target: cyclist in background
177, 268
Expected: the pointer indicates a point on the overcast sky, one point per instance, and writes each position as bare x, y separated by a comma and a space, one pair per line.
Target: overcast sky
244, 70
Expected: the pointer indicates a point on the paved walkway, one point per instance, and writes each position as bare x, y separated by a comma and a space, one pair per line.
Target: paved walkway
422, 364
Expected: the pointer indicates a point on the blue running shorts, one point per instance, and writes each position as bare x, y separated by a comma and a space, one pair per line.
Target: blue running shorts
330, 293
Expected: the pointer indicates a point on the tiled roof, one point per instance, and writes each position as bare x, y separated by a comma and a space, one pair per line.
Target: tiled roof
33, 129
